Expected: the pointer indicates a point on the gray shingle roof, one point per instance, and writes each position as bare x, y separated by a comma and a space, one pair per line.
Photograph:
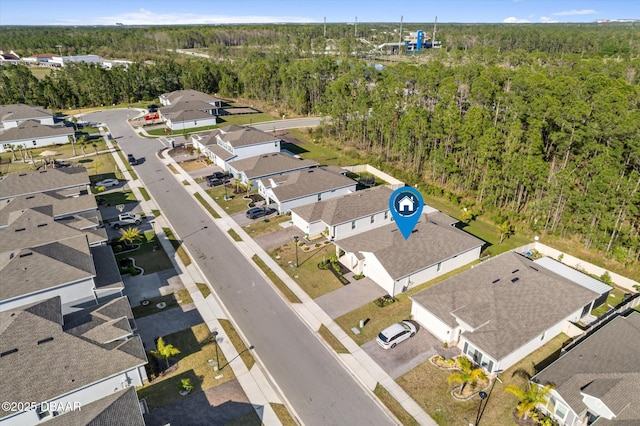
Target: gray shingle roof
188, 95
270, 164
23, 112
306, 182
187, 115
16, 184
432, 241
604, 365
61, 206
121, 408
101, 324
42, 344
347, 208
107, 271
574, 275
33, 269
238, 136
31, 129
508, 299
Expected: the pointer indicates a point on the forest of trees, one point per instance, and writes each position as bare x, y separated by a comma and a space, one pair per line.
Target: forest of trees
538, 125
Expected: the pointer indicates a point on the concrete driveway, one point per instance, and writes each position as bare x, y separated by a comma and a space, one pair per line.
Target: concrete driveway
277, 238
350, 297
408, 354
143, 287
166, 322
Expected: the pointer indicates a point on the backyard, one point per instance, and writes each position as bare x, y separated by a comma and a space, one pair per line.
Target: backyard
314, 281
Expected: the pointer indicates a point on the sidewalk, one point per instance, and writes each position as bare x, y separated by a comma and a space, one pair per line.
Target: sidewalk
367, 371
254, 383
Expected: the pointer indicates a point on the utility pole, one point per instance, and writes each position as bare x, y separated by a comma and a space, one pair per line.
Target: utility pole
400, 40
355, 32
433, 40
325, 27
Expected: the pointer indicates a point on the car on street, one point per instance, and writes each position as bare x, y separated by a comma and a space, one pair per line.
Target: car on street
396, 333
257, 212
131, 159
108, 183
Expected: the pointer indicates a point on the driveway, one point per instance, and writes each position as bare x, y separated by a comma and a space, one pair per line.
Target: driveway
408, 354
350, 297
170, 321
143, 287
278, 238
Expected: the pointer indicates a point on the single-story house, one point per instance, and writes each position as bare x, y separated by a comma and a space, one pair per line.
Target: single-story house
9, 58
178, 120
267, 165
232, 143
178, 96
66, 363
12, 115
304, 187
397, 264
66, 182
185, 109
597, 381
32, 134
348, 215
501, 310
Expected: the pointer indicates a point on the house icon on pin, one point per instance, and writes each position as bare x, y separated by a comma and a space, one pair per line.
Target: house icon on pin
406, 204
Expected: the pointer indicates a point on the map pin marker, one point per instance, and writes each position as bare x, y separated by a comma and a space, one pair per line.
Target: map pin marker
406, 207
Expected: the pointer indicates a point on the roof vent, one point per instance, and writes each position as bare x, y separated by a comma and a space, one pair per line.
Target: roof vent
9, 352
514, 271
29, 253
535, 269
22, 174
45, 340
20, 229
43, 171
495, 281
30, 197
42, 224
514, 280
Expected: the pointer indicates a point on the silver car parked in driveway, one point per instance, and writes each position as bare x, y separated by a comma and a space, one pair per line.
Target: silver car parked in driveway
396, 333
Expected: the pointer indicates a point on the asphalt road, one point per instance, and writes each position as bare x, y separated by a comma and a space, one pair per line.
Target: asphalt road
318, 386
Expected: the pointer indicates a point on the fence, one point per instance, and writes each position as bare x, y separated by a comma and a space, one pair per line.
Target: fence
393, 182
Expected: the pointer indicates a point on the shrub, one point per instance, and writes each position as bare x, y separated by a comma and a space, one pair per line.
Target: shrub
317, 245
358, 276
305, 248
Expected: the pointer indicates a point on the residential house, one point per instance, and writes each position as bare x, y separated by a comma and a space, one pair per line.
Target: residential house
42, 59
597, 381
74, 367
252, 169
501, 310
32, 134
304, 187
232, 143
12, 115
9, 58
396, 264
348, 215
66, 182
185, 109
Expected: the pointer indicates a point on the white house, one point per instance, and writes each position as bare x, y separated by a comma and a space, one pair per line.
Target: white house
597, 381
178, 120
397, 264
65, 363
32, 134
232, 143
12, 115
250, 170
344, 216
185, 109
501, 310
304, 187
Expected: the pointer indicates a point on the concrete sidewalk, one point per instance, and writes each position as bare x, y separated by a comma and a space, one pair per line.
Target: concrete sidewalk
358, 362
254, 383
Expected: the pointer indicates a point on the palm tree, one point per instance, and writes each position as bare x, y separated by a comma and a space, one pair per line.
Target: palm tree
83, 142
506, 229
529, 397
467, 373
130, 235
165, 350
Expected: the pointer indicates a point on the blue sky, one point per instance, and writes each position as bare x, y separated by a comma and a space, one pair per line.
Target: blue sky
165, 12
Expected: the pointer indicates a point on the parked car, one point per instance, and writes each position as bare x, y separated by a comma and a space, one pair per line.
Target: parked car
125, 219
257, 212
218, 175
396, 333
108, 183
217, 181
131, 159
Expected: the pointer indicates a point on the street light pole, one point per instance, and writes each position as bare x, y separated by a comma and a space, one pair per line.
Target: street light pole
231, 360
215, 339
483, 395
295, 241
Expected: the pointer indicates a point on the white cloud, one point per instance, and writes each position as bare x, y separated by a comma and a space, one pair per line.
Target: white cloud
548, 20
514, 20
146, 17
575, 12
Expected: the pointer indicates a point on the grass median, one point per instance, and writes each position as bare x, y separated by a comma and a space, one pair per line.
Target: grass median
290, 295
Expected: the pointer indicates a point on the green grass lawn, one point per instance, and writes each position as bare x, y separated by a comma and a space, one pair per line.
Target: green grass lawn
196, 349
283, 414
332, 340
266, 226
290, 295
150, 256
204, 289
616, 296
234, 235
227, 120
117, 197
144, 193
314, 281
325, 155
394, 406
177, 246
428, 386
237, 343
236, 202
152, 308
207, 206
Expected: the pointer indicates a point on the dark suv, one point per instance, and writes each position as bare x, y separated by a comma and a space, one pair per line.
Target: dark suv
132, 160
257, 212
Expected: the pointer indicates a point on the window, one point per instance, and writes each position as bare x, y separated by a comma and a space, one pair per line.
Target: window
561, 410
373, 218
353, 224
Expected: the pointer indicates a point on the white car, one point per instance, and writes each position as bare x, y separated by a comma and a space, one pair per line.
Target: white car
108, 183
396, 333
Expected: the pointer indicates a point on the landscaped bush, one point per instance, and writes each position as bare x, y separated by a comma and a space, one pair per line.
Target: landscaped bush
385, 300
358, 276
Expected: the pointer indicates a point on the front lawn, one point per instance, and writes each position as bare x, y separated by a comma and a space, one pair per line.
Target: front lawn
235, 203
177, 246
266, 226
196, 349
169, 300
237, 343
115, 198
313, 280
428, 386
150, 256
